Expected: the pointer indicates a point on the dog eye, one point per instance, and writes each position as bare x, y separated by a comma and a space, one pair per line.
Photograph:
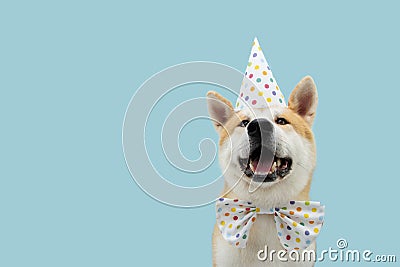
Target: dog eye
281, 121
243, 123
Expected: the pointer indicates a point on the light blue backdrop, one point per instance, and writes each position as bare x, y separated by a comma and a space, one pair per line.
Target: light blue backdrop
68, 71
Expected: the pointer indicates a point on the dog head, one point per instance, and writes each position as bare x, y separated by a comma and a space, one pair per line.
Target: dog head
272, 146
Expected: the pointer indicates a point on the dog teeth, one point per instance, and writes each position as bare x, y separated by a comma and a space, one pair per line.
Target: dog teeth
252, 167
273, 167
278, 162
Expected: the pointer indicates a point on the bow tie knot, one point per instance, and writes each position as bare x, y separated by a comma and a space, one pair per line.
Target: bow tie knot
297, 223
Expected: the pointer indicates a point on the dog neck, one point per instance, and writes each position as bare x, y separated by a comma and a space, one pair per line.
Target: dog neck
272, 196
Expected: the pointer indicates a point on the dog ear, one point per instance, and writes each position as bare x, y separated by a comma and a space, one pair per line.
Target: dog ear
219, 108
304, 99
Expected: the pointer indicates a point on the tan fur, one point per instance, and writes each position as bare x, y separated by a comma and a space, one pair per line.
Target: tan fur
309, 98
228, 128
221, 98
298, 123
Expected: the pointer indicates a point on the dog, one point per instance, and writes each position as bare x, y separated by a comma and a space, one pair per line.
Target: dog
286, 132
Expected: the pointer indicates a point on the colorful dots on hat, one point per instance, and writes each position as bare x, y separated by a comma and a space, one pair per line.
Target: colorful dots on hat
260, 93
298, 240
233, 209
222, 222
259, 70
298, 209
307, 232
227, 214
288, 237
314, 209
253, 219
307, 203
306, 215
294, 224
316, 230
235, 218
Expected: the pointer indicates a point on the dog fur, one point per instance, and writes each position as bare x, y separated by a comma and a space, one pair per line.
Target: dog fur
294, 139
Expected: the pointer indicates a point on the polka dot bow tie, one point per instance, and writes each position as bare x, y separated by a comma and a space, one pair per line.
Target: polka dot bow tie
297, 224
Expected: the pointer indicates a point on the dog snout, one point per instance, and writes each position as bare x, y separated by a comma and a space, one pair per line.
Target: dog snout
261, 133
260, 128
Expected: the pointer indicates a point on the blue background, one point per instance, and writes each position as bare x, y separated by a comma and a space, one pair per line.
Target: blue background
69, 69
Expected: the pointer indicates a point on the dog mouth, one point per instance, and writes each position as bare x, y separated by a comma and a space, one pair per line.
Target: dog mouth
268, 169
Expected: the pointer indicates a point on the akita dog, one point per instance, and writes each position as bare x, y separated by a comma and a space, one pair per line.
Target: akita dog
286, 133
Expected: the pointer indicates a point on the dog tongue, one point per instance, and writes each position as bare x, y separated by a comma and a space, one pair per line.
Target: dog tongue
262, 167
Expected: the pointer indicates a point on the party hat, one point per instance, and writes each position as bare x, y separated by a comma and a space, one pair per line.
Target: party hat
259, 88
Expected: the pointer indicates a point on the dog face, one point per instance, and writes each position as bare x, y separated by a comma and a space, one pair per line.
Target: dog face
273, 147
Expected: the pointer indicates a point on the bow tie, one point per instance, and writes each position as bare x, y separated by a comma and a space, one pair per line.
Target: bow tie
297, 223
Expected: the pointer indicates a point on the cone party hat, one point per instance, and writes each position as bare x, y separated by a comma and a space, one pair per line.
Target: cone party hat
259, 88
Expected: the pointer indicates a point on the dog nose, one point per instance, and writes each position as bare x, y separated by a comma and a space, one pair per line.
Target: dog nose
259, 127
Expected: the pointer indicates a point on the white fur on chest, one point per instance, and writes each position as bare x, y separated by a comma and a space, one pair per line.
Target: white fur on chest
263, 233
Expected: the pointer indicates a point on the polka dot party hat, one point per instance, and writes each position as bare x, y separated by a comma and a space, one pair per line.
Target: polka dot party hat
259, 88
